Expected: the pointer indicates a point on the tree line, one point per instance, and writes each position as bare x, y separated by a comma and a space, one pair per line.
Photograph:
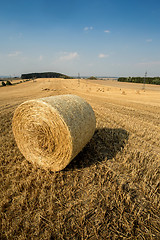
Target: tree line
43, 75
147, 80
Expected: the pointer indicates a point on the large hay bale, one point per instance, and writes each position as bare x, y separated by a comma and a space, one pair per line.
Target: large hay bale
51, 131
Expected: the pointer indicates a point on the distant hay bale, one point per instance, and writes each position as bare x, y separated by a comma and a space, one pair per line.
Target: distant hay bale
123, 93
100, 90
51, 131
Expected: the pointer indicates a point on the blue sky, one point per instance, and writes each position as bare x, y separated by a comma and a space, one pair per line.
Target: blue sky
91, 37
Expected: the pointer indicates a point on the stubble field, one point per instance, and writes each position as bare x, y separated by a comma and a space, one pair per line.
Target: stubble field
111, 190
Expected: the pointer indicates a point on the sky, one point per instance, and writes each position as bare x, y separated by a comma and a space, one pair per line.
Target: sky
86, 37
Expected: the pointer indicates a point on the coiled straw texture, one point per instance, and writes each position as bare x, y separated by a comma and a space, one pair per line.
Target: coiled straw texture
51, 131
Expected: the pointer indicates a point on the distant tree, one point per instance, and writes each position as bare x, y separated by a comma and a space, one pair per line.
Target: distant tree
3, 84
156, 81
8, 83
92, 78
122, 79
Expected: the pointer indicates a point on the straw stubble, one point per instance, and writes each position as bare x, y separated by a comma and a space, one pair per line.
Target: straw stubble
51, 131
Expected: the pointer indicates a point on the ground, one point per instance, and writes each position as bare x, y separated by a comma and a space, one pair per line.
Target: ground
111, 190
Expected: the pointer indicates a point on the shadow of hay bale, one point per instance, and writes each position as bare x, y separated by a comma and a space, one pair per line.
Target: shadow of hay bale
104, 145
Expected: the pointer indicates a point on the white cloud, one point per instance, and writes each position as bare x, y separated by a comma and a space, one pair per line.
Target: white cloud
102, 55
149, 40
14, 54
88, 28
107, 31
69, 56
40, 58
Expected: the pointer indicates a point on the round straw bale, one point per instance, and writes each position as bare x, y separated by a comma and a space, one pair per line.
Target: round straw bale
51, 131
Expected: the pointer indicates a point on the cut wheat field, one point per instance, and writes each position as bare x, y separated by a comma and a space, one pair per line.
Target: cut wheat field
110, 190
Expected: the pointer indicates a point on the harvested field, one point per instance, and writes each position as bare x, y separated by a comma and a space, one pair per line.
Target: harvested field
111, 190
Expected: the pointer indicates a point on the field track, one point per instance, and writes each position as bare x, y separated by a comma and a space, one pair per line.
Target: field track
111, 190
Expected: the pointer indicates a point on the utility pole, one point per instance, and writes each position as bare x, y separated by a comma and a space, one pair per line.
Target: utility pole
144, 81
78, 79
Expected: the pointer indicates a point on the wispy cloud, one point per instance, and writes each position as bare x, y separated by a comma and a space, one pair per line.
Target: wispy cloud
40, 58
68, 56
14, 54
88, 28
102, 55
149, 40
107, 31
